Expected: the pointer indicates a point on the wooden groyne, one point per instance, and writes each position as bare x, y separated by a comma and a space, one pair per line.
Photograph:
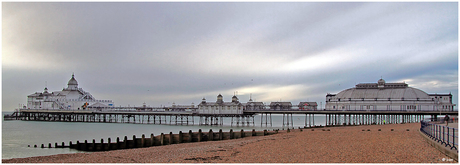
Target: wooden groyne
159, 140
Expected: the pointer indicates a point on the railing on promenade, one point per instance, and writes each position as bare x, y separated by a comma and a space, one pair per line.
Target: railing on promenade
442, 134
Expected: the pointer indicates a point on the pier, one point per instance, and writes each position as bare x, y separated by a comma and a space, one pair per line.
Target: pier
343, 118
332, 118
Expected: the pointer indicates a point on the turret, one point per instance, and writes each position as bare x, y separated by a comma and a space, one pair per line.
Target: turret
73, 84
234, 99
220, 99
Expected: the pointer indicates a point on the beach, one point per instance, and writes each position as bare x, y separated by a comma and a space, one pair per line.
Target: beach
349, 144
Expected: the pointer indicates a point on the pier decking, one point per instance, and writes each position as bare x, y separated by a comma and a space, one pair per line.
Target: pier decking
333, 118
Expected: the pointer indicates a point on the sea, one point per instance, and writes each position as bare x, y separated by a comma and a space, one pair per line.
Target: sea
19, 137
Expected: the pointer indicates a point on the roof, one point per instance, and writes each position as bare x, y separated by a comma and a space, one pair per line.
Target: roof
387, 93
72, 81
382, 90
308, 103
280, 103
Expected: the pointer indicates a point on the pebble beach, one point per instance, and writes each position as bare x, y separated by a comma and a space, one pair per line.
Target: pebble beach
349, 144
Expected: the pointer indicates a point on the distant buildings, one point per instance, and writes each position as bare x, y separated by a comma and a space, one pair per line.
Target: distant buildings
388, 97
380, 96
71, 97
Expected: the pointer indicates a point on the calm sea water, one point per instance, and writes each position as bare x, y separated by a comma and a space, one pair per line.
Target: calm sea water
17, 135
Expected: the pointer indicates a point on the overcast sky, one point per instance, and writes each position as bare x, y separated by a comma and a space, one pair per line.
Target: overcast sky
160, 53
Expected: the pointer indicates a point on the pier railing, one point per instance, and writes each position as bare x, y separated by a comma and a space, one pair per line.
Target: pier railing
445, 135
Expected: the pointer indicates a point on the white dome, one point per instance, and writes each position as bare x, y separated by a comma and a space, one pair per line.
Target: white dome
72, 83
388, 93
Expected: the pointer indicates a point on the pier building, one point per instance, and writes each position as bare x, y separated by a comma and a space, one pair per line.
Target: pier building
310, 106
253, 106
72, 98
382, 96
280, 105
221, 107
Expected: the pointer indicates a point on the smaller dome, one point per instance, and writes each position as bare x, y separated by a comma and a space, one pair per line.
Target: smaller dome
72, 81
381, 81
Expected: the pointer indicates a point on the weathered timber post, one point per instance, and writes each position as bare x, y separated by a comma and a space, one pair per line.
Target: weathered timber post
210, 135
63, 144
85, 146
118, 146
108, 144
180, 137
55, 145
162, 139
143, 141
242, 133
102, 145
134, 140
171, 138
254, 132
190, 134
221, 135
78, 145
70, 144
152, 140
231, 133
43, 146
94, 145
200, 135
265, 132
125, 143
49, 145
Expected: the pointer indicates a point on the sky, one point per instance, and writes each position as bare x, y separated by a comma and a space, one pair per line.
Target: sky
159, 53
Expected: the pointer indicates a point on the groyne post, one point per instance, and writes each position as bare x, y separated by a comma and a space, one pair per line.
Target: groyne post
85, 145
231, 134
171, 138
125, 142
102, 145
109, 141
143, 141
152, 139
221, 135
162, 139
190, 135
210, 135
134, 141
180, 137
242, 133
118, 143
200, 135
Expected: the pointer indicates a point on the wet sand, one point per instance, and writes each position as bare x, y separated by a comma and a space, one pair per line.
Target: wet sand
339, 145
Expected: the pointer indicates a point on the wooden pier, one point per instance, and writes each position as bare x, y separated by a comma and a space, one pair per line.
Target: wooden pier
338, 118
332, 118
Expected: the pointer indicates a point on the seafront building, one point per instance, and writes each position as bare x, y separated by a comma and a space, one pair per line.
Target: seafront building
71, 98
384, 96
221, 107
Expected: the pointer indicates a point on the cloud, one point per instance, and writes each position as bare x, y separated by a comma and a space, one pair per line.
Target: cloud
160, 52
